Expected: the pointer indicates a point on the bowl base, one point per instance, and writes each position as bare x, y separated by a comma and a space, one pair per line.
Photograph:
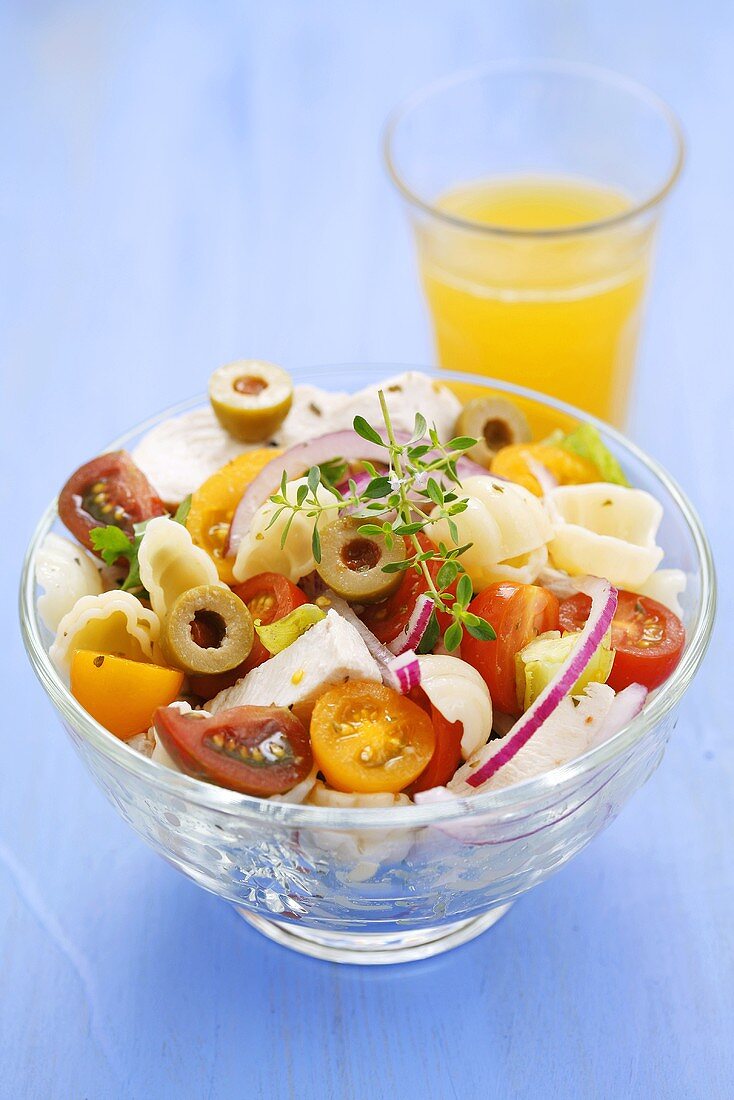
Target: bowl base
373, 948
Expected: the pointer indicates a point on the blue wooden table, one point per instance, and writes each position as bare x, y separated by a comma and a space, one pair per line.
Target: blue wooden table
185, 183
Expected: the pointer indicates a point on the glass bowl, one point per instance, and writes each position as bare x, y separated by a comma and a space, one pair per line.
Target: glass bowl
382, 886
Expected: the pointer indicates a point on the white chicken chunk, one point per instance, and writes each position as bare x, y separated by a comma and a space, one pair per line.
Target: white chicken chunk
329, 653
406, 394
311, 414
179, 454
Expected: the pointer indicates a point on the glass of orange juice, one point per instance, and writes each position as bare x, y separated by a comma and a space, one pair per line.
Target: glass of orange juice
534, 191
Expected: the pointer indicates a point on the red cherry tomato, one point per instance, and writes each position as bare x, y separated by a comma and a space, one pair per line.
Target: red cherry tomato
518, 613
647, 638
253, 750
447, 753
388, 618
108, 490
269, 597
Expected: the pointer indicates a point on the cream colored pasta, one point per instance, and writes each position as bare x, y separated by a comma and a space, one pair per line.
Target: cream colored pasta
460, 694
65, 573
363, 851
170, 564
606, 531
507, 527
261, 551
665, 586
300, 792
113, 622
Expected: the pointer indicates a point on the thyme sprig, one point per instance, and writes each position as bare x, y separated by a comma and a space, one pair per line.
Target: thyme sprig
419, 488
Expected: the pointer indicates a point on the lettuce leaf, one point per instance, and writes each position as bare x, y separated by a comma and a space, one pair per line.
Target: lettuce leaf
586, 442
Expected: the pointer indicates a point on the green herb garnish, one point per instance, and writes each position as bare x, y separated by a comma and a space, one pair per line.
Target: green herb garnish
418, 490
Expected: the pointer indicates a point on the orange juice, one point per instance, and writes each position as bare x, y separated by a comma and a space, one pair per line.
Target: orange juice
558, 312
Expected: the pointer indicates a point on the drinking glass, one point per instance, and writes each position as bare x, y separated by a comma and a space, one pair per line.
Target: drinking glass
534, 192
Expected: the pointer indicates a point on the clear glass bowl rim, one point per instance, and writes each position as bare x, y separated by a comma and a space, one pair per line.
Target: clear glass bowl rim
579, 70
505, 803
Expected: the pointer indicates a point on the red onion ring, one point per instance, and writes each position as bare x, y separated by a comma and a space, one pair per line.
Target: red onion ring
603, 605
416, 626
625, 706
297, 460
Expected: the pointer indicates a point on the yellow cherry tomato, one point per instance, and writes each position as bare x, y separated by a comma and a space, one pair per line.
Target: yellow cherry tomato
366, 738
122, 694
214, 502
567, 468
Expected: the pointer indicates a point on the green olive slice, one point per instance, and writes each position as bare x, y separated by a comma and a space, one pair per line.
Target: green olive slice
208, 630
495, 423
352, 564
251, 398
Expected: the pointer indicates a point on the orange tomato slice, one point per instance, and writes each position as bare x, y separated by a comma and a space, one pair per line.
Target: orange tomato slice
122, 694
214, 502
567, 468
368, 739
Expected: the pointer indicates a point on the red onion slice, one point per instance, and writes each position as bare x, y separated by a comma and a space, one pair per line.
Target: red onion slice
625, 706
603, 605
297, 460
416, 626
406, 670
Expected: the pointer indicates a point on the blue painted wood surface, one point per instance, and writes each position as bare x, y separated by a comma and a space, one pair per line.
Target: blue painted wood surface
188, 182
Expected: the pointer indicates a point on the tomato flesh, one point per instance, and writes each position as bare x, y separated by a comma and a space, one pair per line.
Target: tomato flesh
254, 750
447, 754
647, 638
269, 597
108, 490
518, 613
368, 739
387, 619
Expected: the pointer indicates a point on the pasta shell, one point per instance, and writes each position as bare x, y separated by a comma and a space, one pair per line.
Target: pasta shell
460, 694
113, 622
606, 531
170, 564
261, 551
65, 572
507, 526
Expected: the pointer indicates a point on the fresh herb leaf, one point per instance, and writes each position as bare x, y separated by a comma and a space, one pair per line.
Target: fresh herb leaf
464, 591
447, 574
366, 431
182, 512
111, 543
430, 635
452, 637
461, 443
333, 472
479, 628
316, 545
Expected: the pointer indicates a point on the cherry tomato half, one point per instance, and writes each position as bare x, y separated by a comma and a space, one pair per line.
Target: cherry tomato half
518, 613
269, 597
108, 490
366, 738
253, 750
447, 754
388, 618
647, 638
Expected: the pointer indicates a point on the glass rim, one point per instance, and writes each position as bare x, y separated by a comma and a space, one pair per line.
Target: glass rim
568, 68
503, 802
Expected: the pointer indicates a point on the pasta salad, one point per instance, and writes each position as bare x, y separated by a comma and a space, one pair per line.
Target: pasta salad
359, 599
